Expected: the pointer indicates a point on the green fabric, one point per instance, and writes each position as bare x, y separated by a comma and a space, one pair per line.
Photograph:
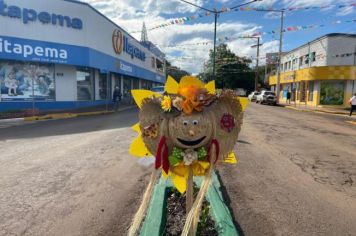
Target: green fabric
202, 153
177, 155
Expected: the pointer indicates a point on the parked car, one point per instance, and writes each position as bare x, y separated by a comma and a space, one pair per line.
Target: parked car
240, 92
267, 97
252, 96
158, 89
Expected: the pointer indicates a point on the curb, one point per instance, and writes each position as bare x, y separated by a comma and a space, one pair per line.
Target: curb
317, 110
71, 115
4, 121
155, 222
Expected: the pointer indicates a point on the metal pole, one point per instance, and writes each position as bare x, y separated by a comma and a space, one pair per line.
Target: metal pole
216, 19
279, 58
258, 55
33, 96
265, 80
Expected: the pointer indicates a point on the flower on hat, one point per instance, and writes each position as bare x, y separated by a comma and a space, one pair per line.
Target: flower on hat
166, 103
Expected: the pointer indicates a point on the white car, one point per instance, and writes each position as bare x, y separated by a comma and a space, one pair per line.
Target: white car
252, 96
267, 97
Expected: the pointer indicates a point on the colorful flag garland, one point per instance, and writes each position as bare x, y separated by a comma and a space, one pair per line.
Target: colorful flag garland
182, 20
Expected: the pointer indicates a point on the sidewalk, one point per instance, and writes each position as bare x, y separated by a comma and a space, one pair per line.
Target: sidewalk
330, 110
63, 114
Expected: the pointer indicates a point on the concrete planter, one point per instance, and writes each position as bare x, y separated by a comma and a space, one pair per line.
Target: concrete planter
154, 223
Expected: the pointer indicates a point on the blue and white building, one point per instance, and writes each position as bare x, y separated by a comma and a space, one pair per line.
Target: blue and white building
64, 54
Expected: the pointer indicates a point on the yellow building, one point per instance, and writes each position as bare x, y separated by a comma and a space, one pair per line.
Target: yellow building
319, 73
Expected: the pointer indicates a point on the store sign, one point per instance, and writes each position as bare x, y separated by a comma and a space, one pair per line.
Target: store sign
30, 15
121, 43
30, 51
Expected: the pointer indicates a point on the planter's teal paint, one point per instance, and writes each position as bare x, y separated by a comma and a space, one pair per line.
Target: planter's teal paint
219, 211
155, 221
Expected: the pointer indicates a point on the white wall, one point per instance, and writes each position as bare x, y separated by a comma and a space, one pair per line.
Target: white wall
66, 83
327, 47
341, 45
320, 48
96, 33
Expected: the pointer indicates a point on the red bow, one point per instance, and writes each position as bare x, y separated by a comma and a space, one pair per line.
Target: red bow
162, 158
217, 149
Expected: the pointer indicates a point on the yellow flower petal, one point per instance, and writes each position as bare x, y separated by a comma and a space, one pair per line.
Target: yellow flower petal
231, 158
138, 148
210, 87
180, 183
171, 85
243, 102
136, 128
190, 81
140, 94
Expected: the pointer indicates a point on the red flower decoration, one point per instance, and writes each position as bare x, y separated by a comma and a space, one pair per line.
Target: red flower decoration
227, 122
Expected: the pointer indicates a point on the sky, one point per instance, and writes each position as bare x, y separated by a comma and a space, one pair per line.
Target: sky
130, 15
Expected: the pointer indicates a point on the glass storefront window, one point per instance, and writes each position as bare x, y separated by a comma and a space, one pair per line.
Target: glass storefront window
20, 81
85, 84
311, 91
332, 93
117, 81
135, 84
144, 84
103, 86
127, 88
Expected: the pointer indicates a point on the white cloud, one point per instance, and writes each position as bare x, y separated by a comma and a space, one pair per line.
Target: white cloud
130, 14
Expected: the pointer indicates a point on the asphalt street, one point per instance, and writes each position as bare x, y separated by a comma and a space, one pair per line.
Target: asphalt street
70, 177
296, 175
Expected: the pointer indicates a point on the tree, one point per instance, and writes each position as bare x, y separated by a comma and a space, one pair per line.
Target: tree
176, 72
232, 71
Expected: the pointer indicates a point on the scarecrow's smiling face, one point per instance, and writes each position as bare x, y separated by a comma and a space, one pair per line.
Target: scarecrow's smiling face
191, 131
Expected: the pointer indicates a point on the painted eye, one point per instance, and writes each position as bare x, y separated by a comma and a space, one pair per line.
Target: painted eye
195, 122
185, 123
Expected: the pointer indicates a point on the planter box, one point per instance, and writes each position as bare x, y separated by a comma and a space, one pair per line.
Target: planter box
155, 220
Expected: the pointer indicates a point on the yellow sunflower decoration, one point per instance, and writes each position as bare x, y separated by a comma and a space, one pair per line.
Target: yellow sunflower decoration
181, 126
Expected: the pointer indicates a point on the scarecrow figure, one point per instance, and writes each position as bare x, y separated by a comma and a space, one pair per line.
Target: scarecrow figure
188, 129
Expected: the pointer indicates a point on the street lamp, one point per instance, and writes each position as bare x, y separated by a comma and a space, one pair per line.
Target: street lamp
216, 14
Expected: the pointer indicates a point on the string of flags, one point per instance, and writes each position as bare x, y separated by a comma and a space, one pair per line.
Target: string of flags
225, 61
259, 34
287, 29
182, 20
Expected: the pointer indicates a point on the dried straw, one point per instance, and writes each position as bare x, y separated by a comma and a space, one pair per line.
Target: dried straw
136, 223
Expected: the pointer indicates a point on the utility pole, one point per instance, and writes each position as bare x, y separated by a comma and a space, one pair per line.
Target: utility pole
216, 14
216, 20
257, 59
279, 57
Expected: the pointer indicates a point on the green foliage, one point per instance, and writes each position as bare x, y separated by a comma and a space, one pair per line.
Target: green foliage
204, 219
232, 71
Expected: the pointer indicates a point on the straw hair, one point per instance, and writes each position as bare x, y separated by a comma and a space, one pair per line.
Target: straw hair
193, 216
136, 223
